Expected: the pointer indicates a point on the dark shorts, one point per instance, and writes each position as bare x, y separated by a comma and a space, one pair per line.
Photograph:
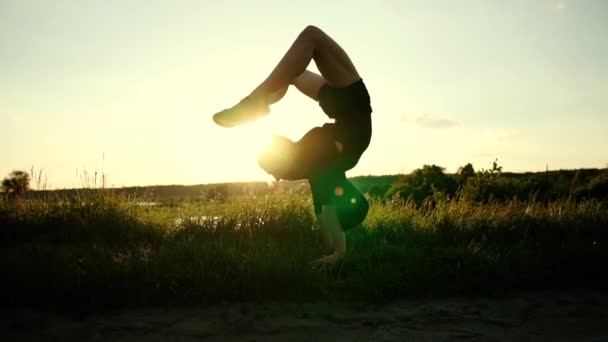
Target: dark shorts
318, 159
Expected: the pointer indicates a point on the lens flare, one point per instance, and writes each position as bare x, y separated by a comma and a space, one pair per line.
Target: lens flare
277, 157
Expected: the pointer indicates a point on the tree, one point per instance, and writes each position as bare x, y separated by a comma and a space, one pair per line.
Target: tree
484, 185
422, 183
464, 173
16, 184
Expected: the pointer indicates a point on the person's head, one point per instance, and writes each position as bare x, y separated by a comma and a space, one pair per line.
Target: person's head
277, 157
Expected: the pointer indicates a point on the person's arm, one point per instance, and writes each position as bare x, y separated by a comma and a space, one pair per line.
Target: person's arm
331, 226
340, 243
326, 237
331, 222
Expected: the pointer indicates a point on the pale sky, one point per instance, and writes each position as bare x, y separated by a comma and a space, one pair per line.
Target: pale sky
128, 88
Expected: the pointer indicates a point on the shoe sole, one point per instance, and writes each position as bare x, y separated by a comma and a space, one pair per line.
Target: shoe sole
217, 118
220, 120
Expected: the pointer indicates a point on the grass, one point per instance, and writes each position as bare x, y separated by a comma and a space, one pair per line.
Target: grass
101, 249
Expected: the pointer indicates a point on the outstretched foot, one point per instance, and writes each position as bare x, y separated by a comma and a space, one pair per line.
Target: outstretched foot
248, 109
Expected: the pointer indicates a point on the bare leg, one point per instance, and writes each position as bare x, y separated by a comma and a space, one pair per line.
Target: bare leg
311, 44
309, 84
277, 95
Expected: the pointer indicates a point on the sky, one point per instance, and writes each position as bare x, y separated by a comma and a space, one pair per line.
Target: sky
127, 88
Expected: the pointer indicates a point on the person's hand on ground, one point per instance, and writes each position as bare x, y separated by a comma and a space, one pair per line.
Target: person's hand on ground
328, 261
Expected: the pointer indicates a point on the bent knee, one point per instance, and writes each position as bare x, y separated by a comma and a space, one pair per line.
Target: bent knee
311, 32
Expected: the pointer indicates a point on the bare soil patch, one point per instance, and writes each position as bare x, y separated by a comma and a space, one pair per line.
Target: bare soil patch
574, 315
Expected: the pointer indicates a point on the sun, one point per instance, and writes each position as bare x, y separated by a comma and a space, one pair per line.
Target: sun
253, 143
236, 151
231, 154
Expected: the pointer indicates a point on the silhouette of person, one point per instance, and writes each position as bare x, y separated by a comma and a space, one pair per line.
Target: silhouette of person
323, 154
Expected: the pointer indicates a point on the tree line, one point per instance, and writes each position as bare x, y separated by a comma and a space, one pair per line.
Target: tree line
426, 182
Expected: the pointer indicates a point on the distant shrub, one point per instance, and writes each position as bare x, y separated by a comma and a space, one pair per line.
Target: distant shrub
423, 183
16, 184
598, 186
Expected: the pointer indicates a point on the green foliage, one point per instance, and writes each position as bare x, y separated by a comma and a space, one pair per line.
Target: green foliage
422, 183
101, 248
16, 184
464, 173
427, 232
375, 186
483, 185
597, 186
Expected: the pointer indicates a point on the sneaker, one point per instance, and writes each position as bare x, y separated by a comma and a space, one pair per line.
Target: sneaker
245, 111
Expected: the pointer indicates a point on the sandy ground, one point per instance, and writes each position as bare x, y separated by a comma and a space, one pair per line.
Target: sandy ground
576, 315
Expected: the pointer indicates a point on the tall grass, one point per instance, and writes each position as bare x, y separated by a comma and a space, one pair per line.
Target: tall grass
100, 249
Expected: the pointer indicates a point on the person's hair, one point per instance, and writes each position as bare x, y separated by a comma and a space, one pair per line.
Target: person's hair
277, 158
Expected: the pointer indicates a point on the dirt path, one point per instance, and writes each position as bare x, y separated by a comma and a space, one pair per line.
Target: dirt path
549, 316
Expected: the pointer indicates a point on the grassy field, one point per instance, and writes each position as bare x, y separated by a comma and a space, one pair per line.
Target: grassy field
102, 249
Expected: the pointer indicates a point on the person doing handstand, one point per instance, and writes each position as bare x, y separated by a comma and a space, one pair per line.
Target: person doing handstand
323, 154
